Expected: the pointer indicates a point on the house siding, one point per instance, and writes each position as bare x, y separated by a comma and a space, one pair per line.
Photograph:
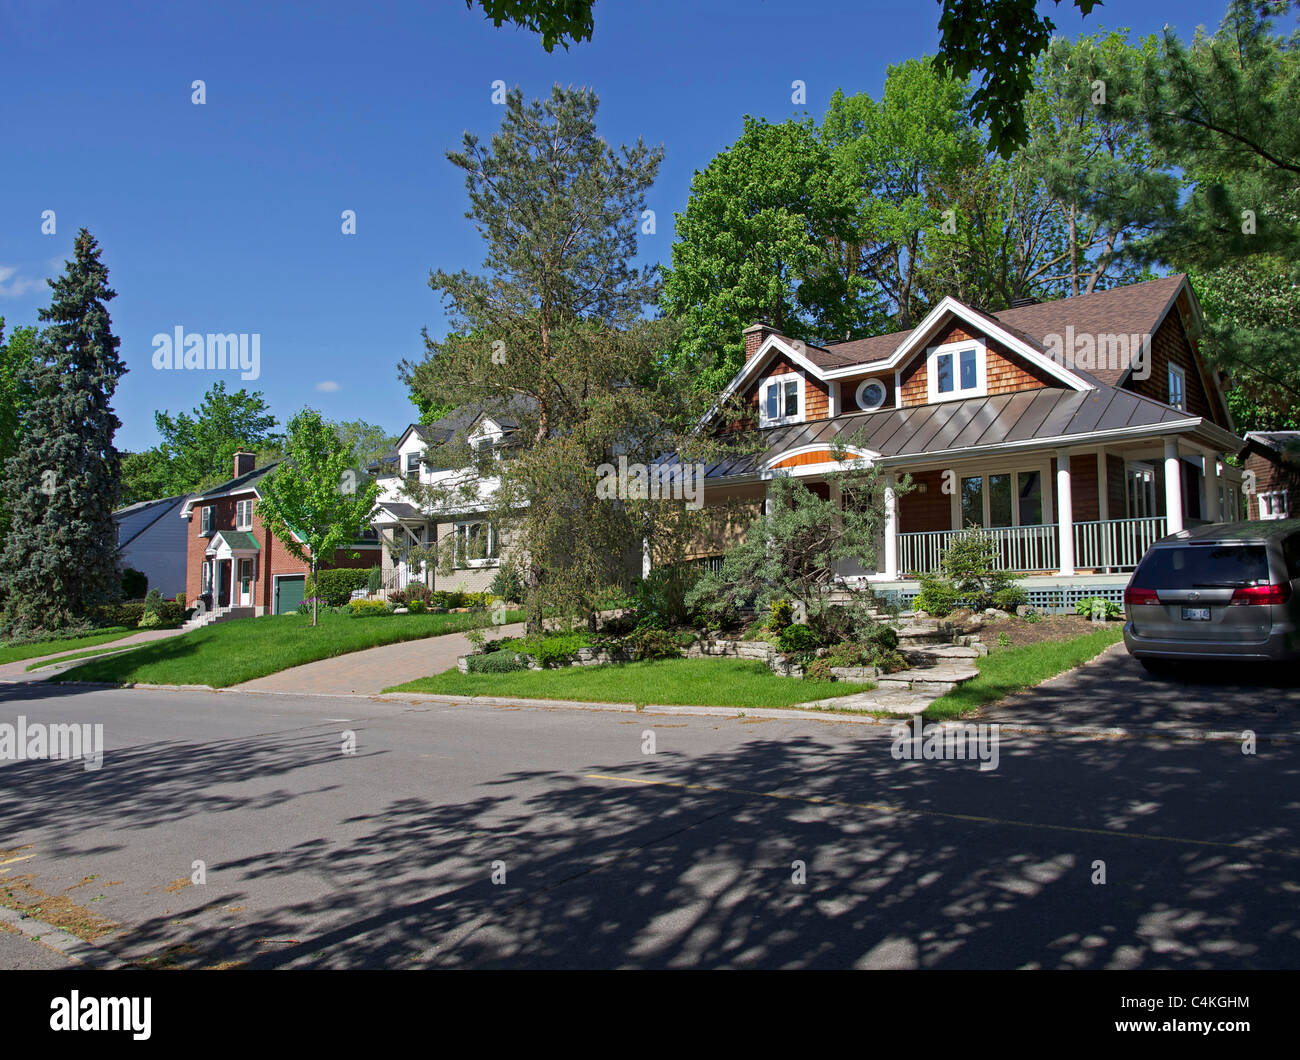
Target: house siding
816, 394
1171, 345
1271, 475
1005, 372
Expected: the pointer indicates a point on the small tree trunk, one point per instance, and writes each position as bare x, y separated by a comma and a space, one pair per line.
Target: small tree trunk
313, 590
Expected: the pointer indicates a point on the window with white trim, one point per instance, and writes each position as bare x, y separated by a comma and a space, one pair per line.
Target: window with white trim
956, 370
1272, 505
485, 457
781, 400
244, 515
1177, 388
1012, 498
205, 520
411, 465
870, 395
476, 544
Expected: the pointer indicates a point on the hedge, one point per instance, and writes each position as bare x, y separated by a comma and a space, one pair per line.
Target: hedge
129, 613
335, 587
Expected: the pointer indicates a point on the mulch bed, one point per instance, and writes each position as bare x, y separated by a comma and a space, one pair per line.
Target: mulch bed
1019, 631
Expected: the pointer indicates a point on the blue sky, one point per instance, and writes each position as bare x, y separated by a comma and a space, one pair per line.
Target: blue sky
225, 217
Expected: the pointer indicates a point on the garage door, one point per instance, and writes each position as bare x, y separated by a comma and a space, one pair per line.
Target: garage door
289, 593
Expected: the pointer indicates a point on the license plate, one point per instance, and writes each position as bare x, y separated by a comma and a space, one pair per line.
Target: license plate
1196, 614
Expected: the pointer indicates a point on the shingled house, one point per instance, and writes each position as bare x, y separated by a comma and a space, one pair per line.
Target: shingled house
1076, 432
1272, 462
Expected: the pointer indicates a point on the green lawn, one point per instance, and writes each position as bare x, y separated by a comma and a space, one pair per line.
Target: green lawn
227, 653
1006, 671
50, 647
42, 663
680, 682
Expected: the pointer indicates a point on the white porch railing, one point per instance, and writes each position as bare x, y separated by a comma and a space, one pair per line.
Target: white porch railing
1115, 543
1018, 548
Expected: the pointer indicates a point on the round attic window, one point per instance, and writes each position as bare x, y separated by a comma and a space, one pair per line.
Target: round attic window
871, 395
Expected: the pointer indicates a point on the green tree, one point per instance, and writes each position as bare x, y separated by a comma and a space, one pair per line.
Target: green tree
17, 365
552, 341
308, 502
554, 20
200, 448
146, 476
759, 240
998, 40
61, 487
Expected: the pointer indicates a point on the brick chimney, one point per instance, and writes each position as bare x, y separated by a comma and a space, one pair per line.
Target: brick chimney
755, 336
244, 463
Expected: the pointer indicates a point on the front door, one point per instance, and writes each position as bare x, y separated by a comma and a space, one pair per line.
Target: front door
245, 583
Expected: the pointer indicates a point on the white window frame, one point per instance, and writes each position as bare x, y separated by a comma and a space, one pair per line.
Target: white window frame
407, 470
1014, 471
1273, 504
857, 395
490, 443
955, 349
1178, 375
461, 532
781, 379
1140, 477
205, 520
242, 522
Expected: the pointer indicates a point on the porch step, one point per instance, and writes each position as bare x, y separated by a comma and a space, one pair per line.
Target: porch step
938, 679
933, 654
222, 614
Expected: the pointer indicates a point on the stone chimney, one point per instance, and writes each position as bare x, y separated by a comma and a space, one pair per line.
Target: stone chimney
244, 463
755, 336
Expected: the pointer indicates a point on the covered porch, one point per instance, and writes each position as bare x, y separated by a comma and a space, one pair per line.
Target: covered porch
401, 528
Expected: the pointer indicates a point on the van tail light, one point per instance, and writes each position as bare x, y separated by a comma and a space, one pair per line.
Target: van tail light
1262, 594
1134, 596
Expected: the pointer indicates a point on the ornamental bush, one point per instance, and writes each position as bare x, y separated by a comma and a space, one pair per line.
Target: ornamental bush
496, 662
367, 608
334, 588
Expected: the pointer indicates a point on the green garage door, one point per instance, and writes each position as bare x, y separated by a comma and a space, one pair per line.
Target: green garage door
289, 593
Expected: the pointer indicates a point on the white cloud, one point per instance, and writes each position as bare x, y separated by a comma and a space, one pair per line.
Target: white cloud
327, 386
12, 285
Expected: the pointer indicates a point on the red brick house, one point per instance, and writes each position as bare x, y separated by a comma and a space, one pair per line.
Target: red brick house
234, 566
1075, 432
1272, 462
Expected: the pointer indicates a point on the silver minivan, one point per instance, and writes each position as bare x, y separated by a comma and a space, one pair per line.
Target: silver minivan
1220, 591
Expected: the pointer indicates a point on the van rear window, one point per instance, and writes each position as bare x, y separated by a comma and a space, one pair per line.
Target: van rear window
1203, 566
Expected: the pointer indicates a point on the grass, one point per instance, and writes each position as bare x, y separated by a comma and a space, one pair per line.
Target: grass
228, 653
677, 682
42, 663
1009, 670
49, 647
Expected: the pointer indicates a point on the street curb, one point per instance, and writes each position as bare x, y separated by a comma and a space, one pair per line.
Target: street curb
737, 713
62, 941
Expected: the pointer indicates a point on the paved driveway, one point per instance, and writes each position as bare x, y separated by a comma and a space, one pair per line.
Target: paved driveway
1113, 691
374, 669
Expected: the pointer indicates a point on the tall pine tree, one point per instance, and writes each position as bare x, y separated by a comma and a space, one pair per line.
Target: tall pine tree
60, 555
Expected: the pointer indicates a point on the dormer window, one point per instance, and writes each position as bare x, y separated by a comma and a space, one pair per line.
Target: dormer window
781, 400
411, 465
485, 457
956, 370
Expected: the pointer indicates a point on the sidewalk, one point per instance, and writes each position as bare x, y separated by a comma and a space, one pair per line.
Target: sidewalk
17, 671
374, 669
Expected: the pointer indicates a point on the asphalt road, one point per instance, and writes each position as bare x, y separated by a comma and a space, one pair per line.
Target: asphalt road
611, 857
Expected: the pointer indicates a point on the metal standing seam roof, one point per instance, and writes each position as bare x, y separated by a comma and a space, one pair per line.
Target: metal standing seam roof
1048, 415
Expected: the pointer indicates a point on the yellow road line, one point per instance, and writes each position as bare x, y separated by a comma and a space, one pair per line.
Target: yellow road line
10, 861
972, 818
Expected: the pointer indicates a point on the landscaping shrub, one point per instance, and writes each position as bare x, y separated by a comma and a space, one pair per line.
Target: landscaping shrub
1010, 598
334, 588
418, 592
180, 601
660, 597
937, 596
883, 638
374, 579
496, 662
618, 625
652, 644
549, 649
366, 608
150, 620
476, 600
1108, 609
447, 598
508, 584
134, 584
798, 639
129, 612
782, 615
416, 607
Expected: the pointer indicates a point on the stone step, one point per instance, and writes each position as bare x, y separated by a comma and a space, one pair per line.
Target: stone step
928, 654
938, 679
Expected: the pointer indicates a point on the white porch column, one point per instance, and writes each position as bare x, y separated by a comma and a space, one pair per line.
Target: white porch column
1064, 514
1173, 487
234, 571
1212, 482
891, 529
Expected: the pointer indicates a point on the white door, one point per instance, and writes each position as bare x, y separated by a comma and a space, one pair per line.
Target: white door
245, 583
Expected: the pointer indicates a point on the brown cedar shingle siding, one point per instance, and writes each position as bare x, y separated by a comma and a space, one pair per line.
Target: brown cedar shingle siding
1171, 345
1005, 372
1115, 488
816, 393
931, 510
